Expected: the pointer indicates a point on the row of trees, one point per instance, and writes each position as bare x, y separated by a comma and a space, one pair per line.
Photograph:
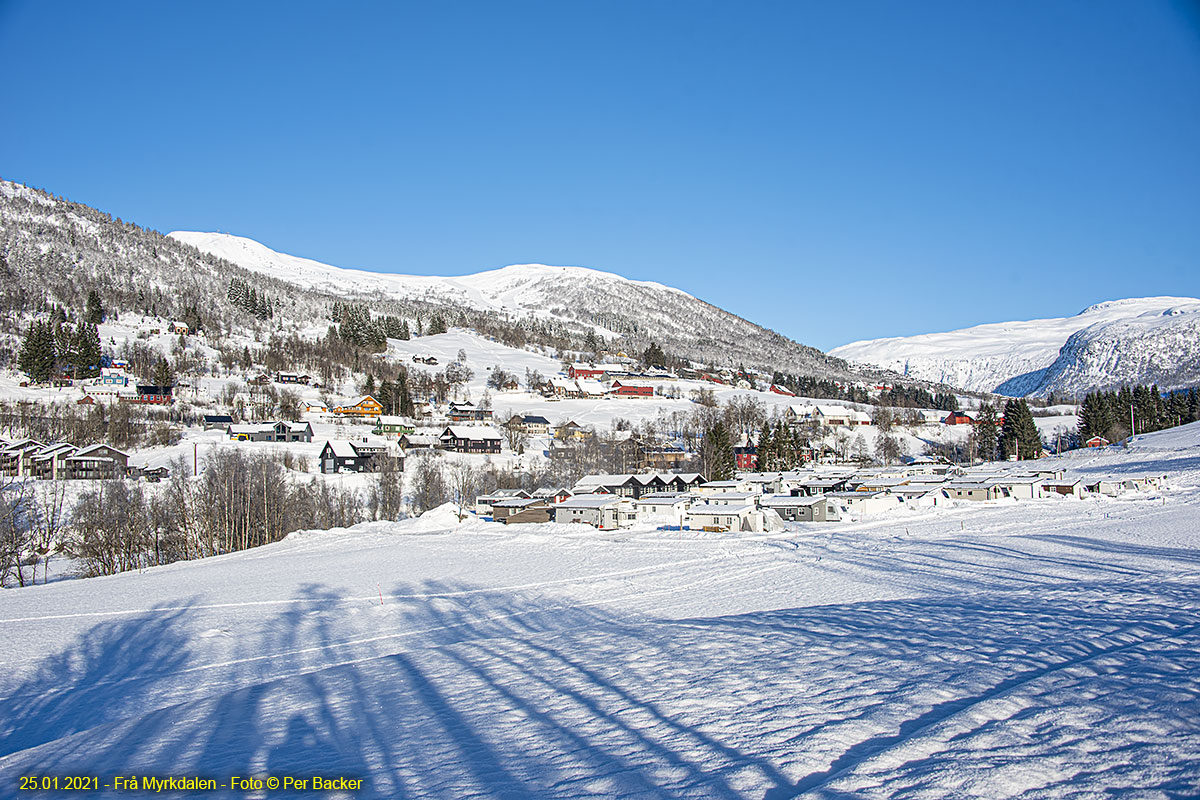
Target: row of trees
1112, 414
53, 347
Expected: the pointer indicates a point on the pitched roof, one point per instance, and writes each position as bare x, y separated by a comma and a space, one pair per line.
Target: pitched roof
471, 432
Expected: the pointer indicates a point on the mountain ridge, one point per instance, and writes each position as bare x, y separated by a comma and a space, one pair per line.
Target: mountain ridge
1107, 344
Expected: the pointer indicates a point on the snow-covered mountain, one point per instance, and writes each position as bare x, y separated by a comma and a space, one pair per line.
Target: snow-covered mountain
637, 311
1138, 340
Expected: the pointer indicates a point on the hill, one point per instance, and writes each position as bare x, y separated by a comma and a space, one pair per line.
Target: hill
630, 313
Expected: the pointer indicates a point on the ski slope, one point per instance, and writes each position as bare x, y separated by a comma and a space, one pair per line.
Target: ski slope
1015, 649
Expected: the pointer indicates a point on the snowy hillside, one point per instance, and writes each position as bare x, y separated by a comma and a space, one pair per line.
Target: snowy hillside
1143, 340
989, 650
641, 311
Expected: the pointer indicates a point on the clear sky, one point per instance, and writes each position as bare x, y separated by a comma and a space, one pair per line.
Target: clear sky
833, 170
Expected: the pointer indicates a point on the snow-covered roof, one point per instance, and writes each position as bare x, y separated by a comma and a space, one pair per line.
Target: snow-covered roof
709, 510
342, 449
471, 432
590, 501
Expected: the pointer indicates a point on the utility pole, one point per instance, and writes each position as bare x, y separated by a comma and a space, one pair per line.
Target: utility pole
1132, 425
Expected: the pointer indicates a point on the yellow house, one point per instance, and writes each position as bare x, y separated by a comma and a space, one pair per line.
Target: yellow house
366, 407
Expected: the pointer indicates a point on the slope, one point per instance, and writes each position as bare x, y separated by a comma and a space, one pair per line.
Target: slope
1044, 649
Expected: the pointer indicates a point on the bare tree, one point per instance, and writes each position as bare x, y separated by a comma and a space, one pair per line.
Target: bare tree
463, 480
426, 486
386, 496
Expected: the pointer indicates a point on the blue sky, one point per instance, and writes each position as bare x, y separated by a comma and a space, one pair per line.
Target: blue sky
836, 170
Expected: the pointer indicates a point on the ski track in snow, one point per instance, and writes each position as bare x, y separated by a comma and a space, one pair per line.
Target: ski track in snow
1019, 649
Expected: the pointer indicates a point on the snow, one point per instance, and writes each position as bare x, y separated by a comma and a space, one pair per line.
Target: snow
1009, 649
511, 288
985, 357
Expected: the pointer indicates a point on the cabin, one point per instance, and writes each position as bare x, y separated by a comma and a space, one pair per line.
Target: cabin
968, 489
180, 328
958, 418
816, 508
1097, 441
420, 441
386, 425
468, 412
745, 453
366, 406
484, 502
605, 512
292, 378
721, 518
667, 508
467, 439
222, 421
271, 432
1063, 488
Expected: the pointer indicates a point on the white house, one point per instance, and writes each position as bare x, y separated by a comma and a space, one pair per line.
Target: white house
604, 511
818, 508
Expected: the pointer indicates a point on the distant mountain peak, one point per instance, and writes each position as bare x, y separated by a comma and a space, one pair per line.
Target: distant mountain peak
1132, 340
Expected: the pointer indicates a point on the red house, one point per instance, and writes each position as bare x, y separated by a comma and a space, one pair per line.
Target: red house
577, 371
1097, 441
632, 389
958, 418
777, 389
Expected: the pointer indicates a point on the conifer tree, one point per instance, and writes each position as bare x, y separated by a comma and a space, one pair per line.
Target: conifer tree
95, 311
986, 432
718, 451
1020, 433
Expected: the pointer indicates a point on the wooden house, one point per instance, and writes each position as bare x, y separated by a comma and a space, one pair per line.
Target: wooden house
468, 439
366, 406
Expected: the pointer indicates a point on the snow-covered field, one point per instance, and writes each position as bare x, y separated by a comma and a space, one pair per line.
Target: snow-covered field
1015, 649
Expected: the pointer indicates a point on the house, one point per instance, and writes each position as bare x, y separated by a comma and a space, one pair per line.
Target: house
866, 503
386, 425
972, 489
180, 328
535, 425
222, 421
664, 507
783, 390
603, 511
50, 461
420, 441
516, 510
571, 430
591, 388
111, 378
745, 453
833, 416
366, 406
817, 508
592, 371
553, 494
661, 457
15, 456
292, 377
958, 418
1063, 489
467, 439
261, 379
731, 498
345, 456
716, 487
485, 502
315, 408
636, 485
271, 432
723, 518
150, 395
1097, 441
96, 462
628, 389
468, 412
